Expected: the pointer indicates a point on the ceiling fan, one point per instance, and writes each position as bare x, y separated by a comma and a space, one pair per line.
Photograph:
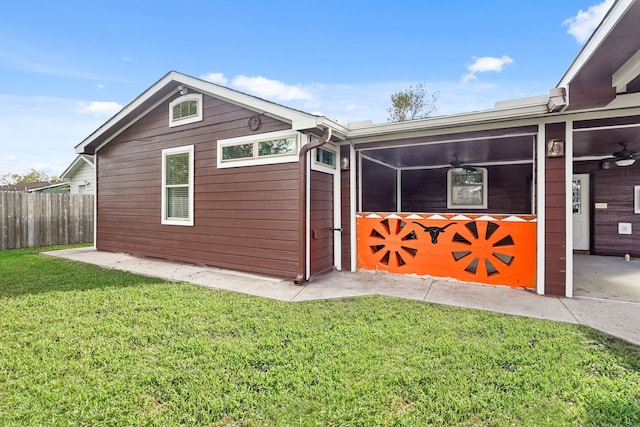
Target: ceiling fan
458, 164
625, 157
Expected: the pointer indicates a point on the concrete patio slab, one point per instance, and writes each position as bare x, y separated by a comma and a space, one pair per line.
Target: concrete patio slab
618, 318
501, 299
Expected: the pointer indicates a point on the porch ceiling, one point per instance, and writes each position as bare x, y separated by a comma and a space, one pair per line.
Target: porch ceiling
476, 151
603, 137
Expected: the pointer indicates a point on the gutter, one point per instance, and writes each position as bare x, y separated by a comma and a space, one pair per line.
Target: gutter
301, 278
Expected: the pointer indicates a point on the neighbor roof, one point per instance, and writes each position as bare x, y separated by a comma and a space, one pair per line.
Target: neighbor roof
77, 163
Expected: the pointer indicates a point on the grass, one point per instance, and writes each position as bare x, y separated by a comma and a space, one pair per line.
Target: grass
82, 346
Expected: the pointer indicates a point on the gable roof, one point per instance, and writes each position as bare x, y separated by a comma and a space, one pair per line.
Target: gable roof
609, 62
76, 164
171, 84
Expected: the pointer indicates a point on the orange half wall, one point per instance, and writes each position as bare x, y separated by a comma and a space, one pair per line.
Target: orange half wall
491, 249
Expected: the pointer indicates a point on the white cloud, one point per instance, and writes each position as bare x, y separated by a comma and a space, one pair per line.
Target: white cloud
7, 157
489, 63
126, 58
271, 89
100, 86
98, 108
217, 78
484, 64
584, 23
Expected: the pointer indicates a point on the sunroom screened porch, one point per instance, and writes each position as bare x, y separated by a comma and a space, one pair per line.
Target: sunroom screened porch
458, 205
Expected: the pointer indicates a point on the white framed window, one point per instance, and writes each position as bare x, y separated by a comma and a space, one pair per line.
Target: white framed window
263, 149
177, 186
324, 158
467, 189
185, 109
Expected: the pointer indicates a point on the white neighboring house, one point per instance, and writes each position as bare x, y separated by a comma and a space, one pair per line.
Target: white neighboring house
81, 175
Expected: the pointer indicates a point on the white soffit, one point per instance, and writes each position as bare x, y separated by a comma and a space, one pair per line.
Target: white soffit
616, 12
626, 73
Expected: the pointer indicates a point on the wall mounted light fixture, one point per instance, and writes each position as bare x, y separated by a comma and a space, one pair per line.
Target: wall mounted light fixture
555, 148
344, 164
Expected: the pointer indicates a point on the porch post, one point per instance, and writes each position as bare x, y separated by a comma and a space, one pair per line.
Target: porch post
568, 151
555, 215
352, 203
540, 208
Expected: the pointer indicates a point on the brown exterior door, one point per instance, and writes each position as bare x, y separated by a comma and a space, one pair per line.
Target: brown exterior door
321, 222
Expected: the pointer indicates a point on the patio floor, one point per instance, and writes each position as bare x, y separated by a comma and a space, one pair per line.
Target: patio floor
606, 277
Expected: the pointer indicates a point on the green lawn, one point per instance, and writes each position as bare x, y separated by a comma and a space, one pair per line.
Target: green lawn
89, 347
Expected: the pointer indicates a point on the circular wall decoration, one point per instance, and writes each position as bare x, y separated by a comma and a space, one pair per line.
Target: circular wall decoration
254, 123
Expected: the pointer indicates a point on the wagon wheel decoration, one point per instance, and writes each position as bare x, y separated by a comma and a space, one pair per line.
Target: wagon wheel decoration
393, 243
490, 249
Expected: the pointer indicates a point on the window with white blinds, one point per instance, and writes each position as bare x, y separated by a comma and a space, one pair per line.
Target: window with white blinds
177, 186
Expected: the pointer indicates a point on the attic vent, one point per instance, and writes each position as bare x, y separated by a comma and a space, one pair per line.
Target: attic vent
185, 109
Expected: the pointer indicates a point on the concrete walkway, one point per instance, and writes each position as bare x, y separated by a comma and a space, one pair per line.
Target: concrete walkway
618, 318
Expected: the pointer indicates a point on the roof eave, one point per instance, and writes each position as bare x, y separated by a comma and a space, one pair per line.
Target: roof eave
496, 115
618, 9
299, 120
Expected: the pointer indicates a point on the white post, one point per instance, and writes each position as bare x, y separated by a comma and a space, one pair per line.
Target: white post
568, 152
540, 206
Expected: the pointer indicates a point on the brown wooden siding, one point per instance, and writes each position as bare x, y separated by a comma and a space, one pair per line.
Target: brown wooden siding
509, 190
321, 210
614, 187
245, 218
345, 211
555, 219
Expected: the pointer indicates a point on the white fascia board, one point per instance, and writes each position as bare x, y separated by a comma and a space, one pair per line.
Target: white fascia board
88, 158
626, 73
338, 130
140, 100
494, 118
75, 164
71, 167
271, 109
612, 17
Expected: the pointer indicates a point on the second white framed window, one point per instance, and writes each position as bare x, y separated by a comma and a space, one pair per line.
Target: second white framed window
267, 148
467, 189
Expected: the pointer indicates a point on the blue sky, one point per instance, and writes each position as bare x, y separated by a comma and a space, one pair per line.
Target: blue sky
67, 67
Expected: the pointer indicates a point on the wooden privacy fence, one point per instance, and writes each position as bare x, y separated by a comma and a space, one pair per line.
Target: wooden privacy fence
30, 220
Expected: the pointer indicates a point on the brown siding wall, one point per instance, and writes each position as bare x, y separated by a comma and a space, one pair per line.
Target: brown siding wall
245, 217
321, 211
509, 190
614, 187
345, 209
555, 219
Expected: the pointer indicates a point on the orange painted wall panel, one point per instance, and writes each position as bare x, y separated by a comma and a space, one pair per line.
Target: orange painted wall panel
496, 250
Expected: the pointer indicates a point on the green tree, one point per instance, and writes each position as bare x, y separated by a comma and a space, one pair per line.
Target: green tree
32, 176
412, 103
